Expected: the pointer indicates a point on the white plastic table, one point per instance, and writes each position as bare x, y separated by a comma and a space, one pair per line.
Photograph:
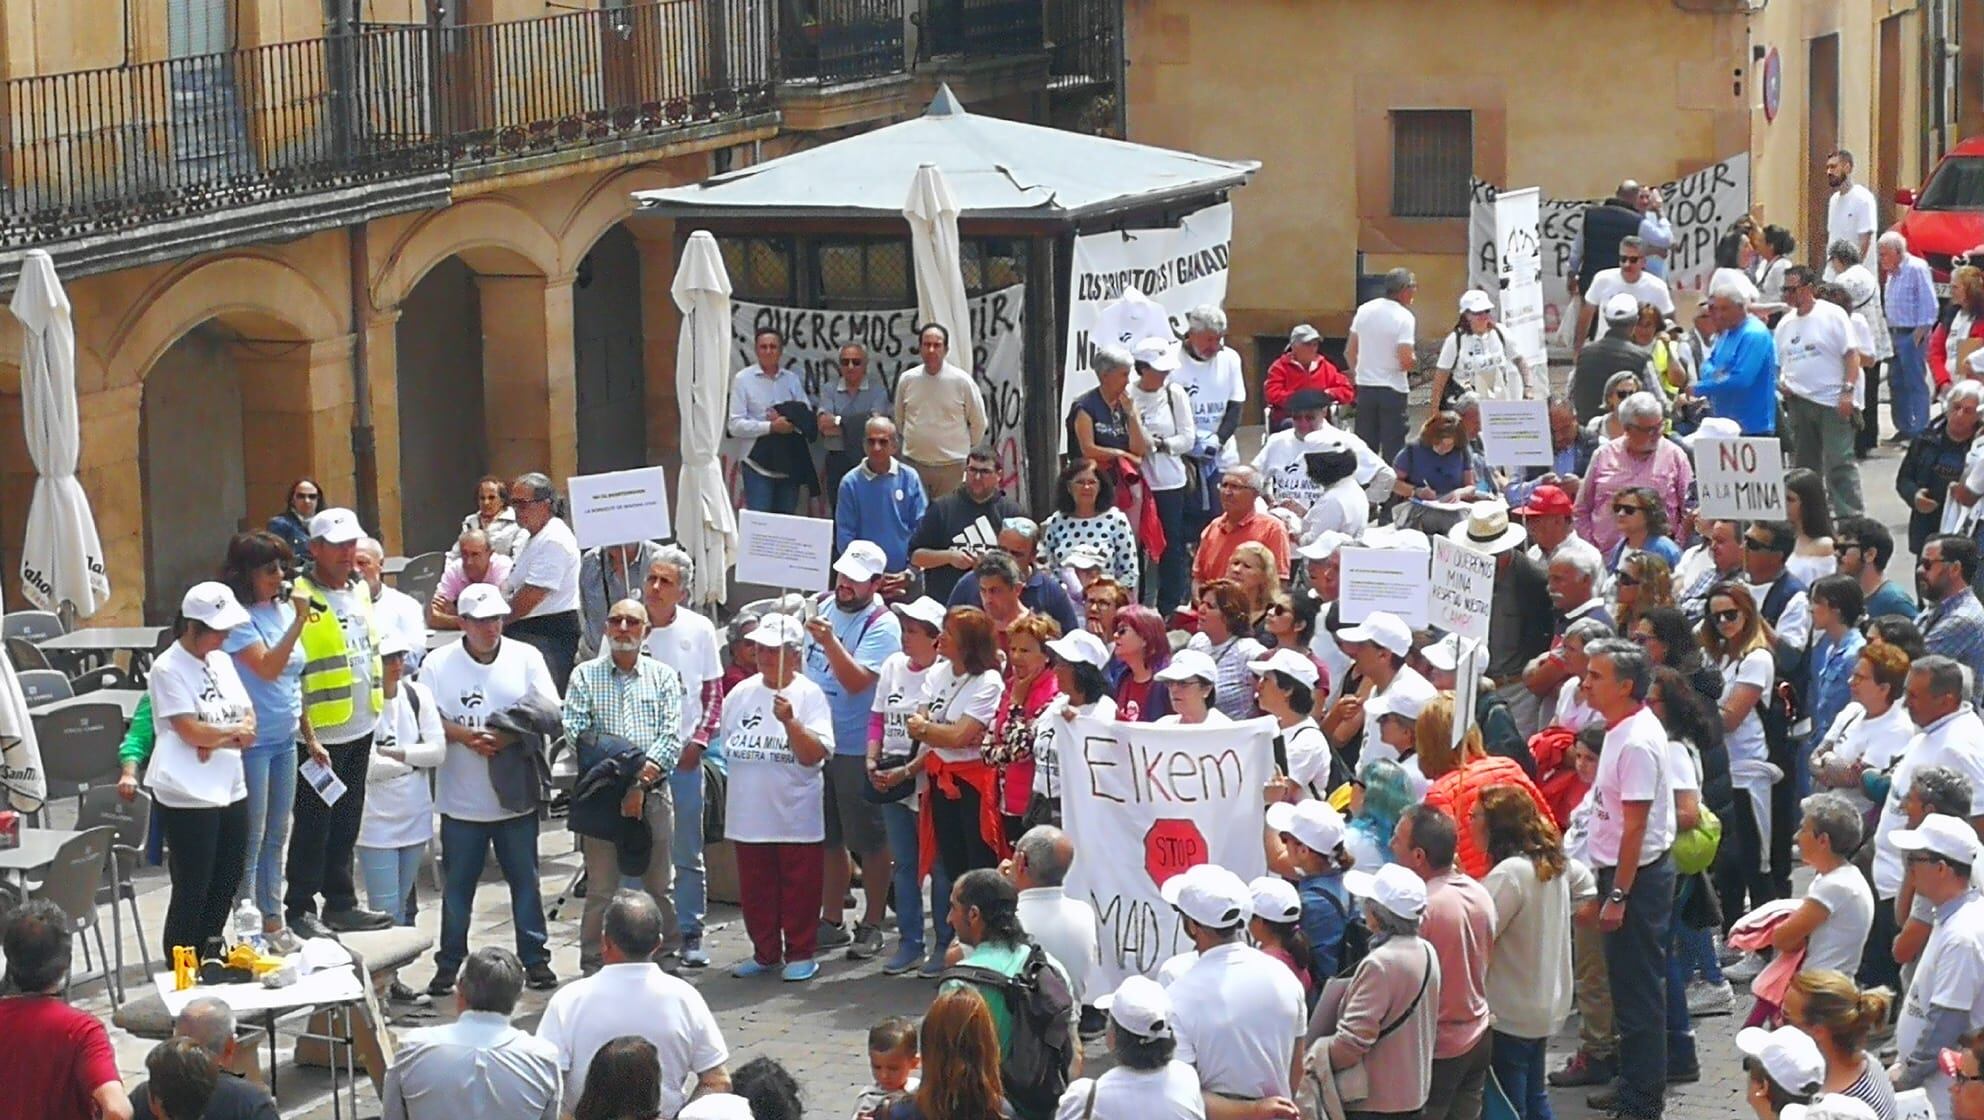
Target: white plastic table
36, 851
335, 988
126, 700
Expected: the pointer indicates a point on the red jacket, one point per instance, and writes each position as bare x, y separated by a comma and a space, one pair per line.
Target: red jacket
1454, 793
1286, 375
1939, 343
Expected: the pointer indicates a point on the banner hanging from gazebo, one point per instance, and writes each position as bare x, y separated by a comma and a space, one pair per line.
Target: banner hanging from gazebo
813, 338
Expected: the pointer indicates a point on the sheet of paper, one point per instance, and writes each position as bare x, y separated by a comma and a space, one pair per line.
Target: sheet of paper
322, 779
1384, 579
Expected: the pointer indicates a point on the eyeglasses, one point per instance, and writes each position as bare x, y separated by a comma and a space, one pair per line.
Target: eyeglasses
1723, 618
1929, 561
623, 620
1626, 509
1630, 260
528, 501
1234, 486
854, 361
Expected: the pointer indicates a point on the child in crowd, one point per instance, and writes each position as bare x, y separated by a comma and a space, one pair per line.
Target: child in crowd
1277, 928
892, 1060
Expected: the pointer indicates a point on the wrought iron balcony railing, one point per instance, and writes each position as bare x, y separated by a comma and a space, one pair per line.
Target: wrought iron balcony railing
836, 41
982, 28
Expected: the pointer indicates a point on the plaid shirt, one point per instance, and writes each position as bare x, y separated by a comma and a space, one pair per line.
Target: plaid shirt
1955, 629
1911, 296
643, 707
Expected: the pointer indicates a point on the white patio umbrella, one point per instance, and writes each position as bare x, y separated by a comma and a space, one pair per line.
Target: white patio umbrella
62, 561
22, 779
705, 525
933, 240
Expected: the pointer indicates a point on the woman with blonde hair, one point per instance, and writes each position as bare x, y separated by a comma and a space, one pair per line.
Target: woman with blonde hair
1840, 1016
1643, 583
1963, 319
1030, 688
960, 1062
1460, 776
1741, 645
1254, 570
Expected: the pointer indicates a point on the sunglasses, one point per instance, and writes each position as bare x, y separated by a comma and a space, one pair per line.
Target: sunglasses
1929, 561
1755, 545
1631, 260
854, 361
622, 620
1725, 617
1626, 509
1280, 608
1625, 580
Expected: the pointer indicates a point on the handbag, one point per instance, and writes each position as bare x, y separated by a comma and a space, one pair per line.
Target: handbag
1694, 850
895, 793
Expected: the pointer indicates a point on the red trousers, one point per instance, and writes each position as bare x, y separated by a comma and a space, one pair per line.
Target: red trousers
778, 887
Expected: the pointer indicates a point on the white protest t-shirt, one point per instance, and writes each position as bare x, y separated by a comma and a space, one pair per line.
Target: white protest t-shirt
1211, 385
952, 698
899, 690
211, 692
773, 798
1849, 904
549, 560
468, 692
1381, 326
1950, 973
1648, 289
688, 645
1170, 1092
1849, 216
1811, 352
1283, 458
1759, 668
1483, 362
1631, 767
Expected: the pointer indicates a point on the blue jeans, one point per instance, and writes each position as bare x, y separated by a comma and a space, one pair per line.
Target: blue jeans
389, 876
1680, 1029
1635, 963
1908, 385
769, 495
270, 771
1518, 1064
464, 847
1698, 955
899, 821
686, 848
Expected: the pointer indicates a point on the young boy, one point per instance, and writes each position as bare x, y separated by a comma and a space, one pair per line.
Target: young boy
892, 1059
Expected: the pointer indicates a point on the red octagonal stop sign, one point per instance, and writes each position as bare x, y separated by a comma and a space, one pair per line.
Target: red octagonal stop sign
1171, 846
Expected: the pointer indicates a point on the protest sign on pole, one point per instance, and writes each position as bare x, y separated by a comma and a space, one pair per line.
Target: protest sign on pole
1740, 478
1700, 207
619, 507
1517, 433
1473, 662
1180, 268
1383, 579
781, 551
813, 338
1158, 800
1519, 268
1463, 587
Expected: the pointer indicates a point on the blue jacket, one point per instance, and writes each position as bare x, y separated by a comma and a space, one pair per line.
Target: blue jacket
1740, 377
1829, 666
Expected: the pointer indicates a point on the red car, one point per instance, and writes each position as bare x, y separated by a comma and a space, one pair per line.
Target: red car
1946, 217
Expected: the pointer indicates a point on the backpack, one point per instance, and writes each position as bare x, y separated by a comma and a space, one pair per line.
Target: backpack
1356, 943
1035, 1066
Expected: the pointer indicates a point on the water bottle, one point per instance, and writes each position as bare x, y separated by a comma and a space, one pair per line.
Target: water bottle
248, 924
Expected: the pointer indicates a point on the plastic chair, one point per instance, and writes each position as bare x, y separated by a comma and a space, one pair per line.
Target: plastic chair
79, 746
103, 676
422, 575
72, 882
26, 655
35, 626
44, 686
131, 820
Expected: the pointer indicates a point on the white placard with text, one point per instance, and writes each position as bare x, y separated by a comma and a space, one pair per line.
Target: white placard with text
620, 507
778, 550
1383, 579
1462, 589
1740, 478
1516, 433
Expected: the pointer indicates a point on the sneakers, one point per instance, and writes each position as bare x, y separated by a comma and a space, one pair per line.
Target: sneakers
1605, 1100
308, 927
540, 978
443, 984
797, 971
281, 943
749, 968
867, 943
1706, 999
906, 959
1746, 969
834, 935
933, 967
1583, 1070
692, 952
398, 992
1684, 1076
357, 919
1726, 955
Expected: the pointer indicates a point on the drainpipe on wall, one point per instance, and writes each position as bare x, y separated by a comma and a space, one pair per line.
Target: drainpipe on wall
364, 444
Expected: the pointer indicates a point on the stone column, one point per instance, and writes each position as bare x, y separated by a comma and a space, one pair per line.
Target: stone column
661, 324
530, 395
296, 407
382, 372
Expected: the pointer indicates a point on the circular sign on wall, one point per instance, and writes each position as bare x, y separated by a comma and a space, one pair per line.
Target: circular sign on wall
1773, 84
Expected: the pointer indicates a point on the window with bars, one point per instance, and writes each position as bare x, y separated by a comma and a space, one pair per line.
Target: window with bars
862, 274
1432, 161
760, 268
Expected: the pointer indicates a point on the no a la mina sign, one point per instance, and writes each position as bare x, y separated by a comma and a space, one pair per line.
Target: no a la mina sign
1741, 478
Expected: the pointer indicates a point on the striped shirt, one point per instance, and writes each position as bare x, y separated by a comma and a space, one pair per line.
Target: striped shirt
643, 706
1911, 296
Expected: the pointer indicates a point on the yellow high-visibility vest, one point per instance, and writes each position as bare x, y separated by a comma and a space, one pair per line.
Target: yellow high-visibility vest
327, 675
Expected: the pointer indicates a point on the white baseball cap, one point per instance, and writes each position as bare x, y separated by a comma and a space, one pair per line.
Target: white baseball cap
1157, 353
1788, 1055
1391, 886
1275, 899
392, 643
1405, 703
1325, 438
1621, 308
1391, 536
1082, 646
1380, 628
779, 630
1444, 654
862, 561
1209, 895
1832, 1106
1190, 664
214, 605
1315, 823
923, 609
1082, 558
716, 1106
1139, 1005
1324, 546
1942, 834
481, 600
335, 526
1476, 301
1285, 660
321, 954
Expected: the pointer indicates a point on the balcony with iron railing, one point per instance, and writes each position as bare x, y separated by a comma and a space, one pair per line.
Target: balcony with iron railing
982, 29
833, 42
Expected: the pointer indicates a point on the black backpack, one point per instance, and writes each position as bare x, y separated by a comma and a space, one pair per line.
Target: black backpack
1356, 944
1035, 1067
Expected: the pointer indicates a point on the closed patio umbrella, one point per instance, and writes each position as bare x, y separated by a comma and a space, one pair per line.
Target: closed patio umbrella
22, 779
62, 561
706, 525
933, 241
